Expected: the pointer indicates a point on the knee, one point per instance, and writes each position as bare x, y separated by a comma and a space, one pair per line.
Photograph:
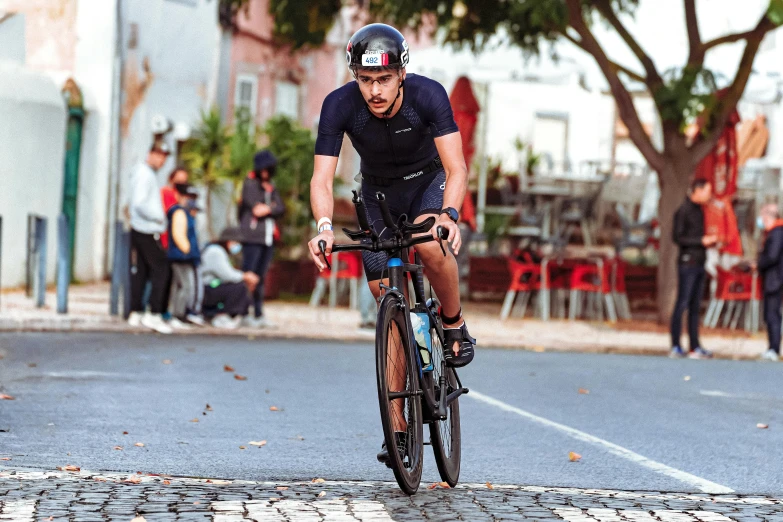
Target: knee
431, 254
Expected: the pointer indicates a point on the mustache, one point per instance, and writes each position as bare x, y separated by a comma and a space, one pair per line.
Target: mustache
376, 100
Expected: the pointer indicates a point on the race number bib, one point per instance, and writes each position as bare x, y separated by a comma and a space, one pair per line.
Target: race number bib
375, 59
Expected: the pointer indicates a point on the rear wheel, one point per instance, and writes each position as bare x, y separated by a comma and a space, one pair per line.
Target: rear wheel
445, 434
398, 395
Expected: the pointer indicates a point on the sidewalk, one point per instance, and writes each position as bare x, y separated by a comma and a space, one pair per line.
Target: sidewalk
89, 307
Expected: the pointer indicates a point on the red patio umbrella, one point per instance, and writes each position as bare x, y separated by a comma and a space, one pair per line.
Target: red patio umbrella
466, 109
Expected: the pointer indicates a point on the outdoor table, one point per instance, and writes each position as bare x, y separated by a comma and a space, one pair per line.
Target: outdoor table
564, 261
545, 196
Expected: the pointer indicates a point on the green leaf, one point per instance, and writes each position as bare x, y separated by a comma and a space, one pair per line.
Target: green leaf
775, 12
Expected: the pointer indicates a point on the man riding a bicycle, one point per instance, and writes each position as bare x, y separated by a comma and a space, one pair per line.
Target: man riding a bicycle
403, 128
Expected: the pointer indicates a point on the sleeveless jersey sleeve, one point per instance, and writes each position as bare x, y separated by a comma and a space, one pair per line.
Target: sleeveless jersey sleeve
335, 113
438, 111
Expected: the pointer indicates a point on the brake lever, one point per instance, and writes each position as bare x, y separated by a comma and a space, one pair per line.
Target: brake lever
322, 248
440, 231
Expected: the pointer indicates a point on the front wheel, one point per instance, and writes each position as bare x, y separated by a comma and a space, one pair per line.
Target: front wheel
445, 434
398, 394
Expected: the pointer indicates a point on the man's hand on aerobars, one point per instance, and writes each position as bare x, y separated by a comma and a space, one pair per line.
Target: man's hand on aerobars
315, 252
455, 236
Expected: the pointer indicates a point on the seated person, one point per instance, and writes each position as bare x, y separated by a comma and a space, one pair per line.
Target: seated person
226, 289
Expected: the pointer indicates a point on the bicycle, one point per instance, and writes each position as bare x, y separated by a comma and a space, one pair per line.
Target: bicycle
414, 386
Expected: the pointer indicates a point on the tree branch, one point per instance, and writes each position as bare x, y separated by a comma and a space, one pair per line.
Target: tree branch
728, 103
625, 104
696, 52
653, 78
729, 38
616, 66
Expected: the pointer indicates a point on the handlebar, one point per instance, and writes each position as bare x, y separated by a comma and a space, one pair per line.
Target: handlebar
385, 245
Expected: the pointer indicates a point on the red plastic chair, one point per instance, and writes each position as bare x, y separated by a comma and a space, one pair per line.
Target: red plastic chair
615, 272
525, 279
345, 266
591, 279
742, 291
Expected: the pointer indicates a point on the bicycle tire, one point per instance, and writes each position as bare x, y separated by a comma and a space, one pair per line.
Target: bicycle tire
408, 467
445, 435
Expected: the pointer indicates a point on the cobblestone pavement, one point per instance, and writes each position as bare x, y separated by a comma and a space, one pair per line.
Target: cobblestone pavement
27, 495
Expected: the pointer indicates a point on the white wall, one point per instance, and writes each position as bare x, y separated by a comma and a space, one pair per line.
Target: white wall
96, 28
32, 147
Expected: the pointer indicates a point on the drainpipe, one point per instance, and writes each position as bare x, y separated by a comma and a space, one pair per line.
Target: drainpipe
112, 211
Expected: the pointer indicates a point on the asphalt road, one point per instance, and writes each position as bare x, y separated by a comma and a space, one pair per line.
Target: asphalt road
647, 423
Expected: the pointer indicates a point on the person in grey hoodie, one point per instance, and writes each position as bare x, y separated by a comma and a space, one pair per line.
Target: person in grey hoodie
148, 258
226, 289
259, 209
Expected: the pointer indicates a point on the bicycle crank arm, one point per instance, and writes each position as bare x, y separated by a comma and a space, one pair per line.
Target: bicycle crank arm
454, 395
404, 395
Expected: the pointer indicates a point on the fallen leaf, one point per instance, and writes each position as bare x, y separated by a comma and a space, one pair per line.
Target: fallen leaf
124, 432
251, 337
50, 519
196, 503
133, 479
444, 485
118, 448
31, 365
139, 519
204, 413
166, 361
138, 472
762, 426
69, 468
433, 485
281, 488
99, 479
686, 378
240, 377
227, 368
139, 444
191, 350
539, 349
209, 408
166, 482
322, 494
574, 457
274, 408
6, 458
4, 397
242, 447
299, 437
258, 443
490, 486
194, 420
583, 391
275, 499
266, 391
318, 481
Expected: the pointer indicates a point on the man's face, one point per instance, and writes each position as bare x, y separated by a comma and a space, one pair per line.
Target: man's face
768, 216
379, 88
156, 159
702, 194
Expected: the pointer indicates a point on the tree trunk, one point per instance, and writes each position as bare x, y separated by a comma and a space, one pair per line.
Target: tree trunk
674, 181
208, 212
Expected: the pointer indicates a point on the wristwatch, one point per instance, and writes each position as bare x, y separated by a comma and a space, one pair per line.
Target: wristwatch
452, 213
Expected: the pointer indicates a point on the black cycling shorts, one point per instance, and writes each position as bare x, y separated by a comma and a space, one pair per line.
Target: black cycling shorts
414, 198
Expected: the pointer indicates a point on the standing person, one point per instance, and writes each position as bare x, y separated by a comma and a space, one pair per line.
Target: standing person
259, 209
169, 195
226, 289
148, 258
770, 266
403, 128
689, 235
183, 253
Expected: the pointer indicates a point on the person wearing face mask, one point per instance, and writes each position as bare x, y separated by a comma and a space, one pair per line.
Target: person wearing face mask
183, 254
226, 289
770, 266
259, 210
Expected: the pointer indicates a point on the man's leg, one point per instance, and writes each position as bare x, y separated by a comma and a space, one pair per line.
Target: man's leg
160, 275
684, 289
772, 316
138, 274
251, 257
694, 306
265, 259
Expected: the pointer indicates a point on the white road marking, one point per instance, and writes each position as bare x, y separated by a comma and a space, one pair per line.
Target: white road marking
18, 510
614, 515
703, 484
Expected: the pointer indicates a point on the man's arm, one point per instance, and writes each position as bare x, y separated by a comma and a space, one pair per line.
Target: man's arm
450, 151
773, 249
322, 203
179, 230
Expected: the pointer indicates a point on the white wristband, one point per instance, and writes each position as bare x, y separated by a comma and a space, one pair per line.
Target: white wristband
325, 226
322, 221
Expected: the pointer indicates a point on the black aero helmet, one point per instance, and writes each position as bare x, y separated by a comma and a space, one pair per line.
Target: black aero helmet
377, 45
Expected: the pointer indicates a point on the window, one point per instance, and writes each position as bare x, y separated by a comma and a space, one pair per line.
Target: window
287, 99
550, 139
246, 94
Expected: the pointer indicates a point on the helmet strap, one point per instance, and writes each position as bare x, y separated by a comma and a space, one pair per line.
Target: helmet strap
391, 107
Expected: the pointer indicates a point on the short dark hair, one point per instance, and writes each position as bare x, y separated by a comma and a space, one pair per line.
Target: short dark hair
697, 184
177, 169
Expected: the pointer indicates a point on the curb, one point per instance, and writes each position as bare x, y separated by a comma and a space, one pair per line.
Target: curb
81, 325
